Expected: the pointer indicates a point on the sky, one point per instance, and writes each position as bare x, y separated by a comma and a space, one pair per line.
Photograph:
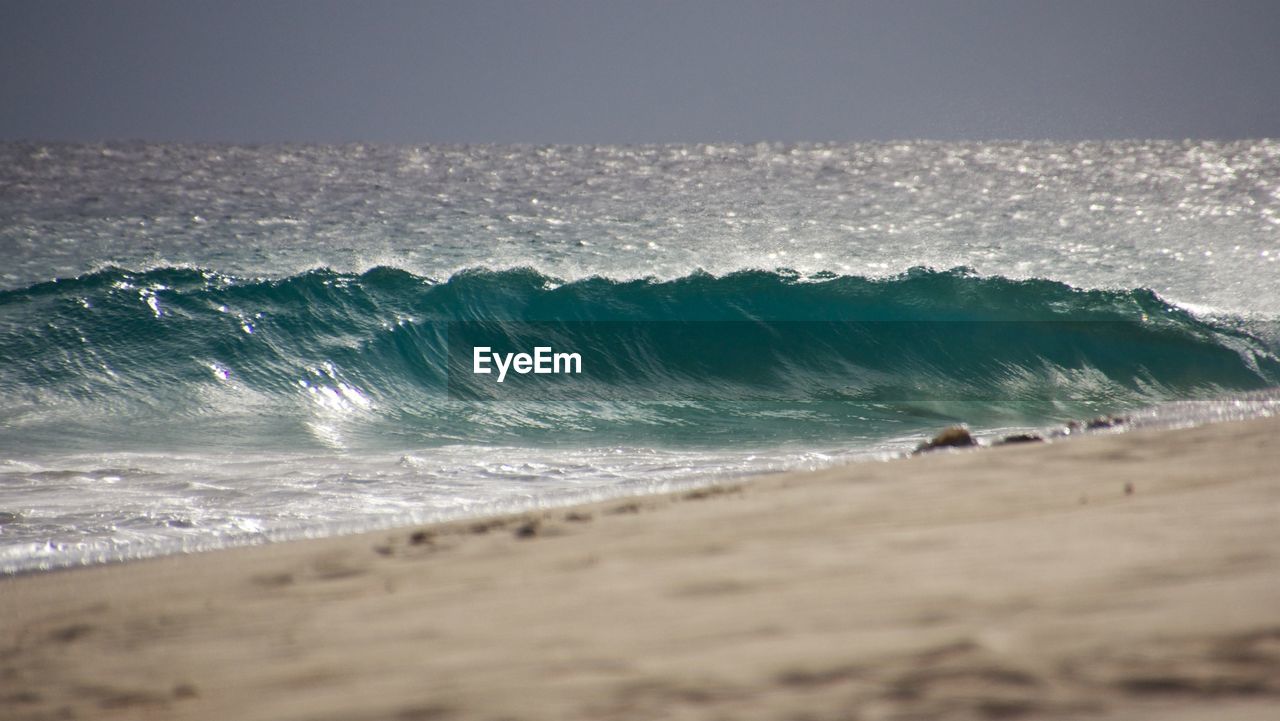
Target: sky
638, 71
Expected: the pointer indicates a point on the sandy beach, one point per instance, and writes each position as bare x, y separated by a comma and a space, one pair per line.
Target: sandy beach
1117, 576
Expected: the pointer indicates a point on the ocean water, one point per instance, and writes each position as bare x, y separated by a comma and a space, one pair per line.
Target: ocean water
207, 345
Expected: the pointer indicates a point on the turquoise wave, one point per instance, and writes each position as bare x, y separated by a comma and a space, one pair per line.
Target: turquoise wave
180, 356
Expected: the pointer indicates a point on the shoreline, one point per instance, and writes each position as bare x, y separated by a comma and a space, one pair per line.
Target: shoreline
1127, 575
1149, 418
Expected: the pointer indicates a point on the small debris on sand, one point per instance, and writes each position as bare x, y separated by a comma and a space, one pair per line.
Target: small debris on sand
488, 525
185, 690
1106, 422
1020, 438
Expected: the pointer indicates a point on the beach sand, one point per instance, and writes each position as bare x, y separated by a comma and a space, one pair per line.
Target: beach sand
1117, 576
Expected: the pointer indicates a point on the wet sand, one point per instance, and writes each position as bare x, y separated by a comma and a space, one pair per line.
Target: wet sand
1118, 576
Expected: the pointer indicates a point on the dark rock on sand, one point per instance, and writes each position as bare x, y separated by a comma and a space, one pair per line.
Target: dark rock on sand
1020, 438
953, 437
1093, 424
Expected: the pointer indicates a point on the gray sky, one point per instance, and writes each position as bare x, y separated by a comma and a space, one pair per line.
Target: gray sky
557, 71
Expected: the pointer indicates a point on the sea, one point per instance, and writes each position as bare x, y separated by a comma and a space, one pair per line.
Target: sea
210, 345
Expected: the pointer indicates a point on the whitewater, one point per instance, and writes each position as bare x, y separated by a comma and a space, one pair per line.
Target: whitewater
207, 345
